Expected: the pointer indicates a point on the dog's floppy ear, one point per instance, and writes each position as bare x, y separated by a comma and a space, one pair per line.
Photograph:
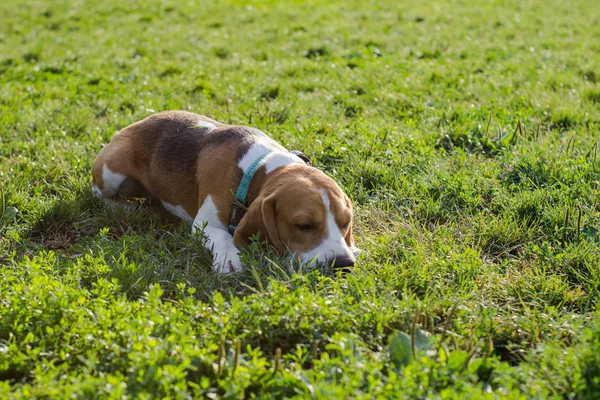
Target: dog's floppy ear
260, 217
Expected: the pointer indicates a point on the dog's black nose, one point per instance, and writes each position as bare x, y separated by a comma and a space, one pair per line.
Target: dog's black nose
343, 261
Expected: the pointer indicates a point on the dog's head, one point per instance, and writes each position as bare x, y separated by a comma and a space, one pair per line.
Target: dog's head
301, 208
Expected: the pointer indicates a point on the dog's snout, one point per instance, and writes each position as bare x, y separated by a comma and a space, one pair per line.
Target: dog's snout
343, 261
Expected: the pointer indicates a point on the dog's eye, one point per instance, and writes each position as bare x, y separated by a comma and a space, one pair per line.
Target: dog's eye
305, 227
345, 226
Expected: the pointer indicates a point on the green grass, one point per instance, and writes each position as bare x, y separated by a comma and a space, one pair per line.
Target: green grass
465, 133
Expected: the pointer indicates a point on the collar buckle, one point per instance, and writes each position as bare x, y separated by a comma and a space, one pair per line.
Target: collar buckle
236, 213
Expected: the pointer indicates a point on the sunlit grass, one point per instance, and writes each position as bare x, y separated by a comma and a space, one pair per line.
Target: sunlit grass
465, 133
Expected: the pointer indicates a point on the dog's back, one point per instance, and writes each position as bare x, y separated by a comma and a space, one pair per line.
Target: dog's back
159, 155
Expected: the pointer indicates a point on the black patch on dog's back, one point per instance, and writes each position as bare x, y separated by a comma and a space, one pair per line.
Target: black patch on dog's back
178, 150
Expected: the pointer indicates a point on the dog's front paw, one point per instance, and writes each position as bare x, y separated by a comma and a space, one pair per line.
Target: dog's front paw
227, 262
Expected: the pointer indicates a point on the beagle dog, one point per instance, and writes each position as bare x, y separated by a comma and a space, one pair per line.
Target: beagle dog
231, 182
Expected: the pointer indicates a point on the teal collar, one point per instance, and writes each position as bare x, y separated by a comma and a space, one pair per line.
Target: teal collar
238, 206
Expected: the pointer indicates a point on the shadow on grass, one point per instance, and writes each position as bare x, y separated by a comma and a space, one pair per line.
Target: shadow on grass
138, 244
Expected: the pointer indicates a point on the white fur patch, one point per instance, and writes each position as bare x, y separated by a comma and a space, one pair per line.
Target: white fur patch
279, 159
112, 182
206, 124
255, 151
333, 245
97, 191
178, 211
219, 240
273, 158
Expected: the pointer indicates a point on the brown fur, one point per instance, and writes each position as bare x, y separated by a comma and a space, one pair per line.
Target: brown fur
166, 157
291, 196
144, 153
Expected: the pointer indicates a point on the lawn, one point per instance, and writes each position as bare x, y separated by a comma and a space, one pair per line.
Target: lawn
465, 132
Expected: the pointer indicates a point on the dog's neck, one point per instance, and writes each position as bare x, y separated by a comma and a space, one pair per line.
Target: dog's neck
273, 163
257, 184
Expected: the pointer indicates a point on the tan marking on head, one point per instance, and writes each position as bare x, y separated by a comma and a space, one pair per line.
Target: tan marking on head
290, 212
